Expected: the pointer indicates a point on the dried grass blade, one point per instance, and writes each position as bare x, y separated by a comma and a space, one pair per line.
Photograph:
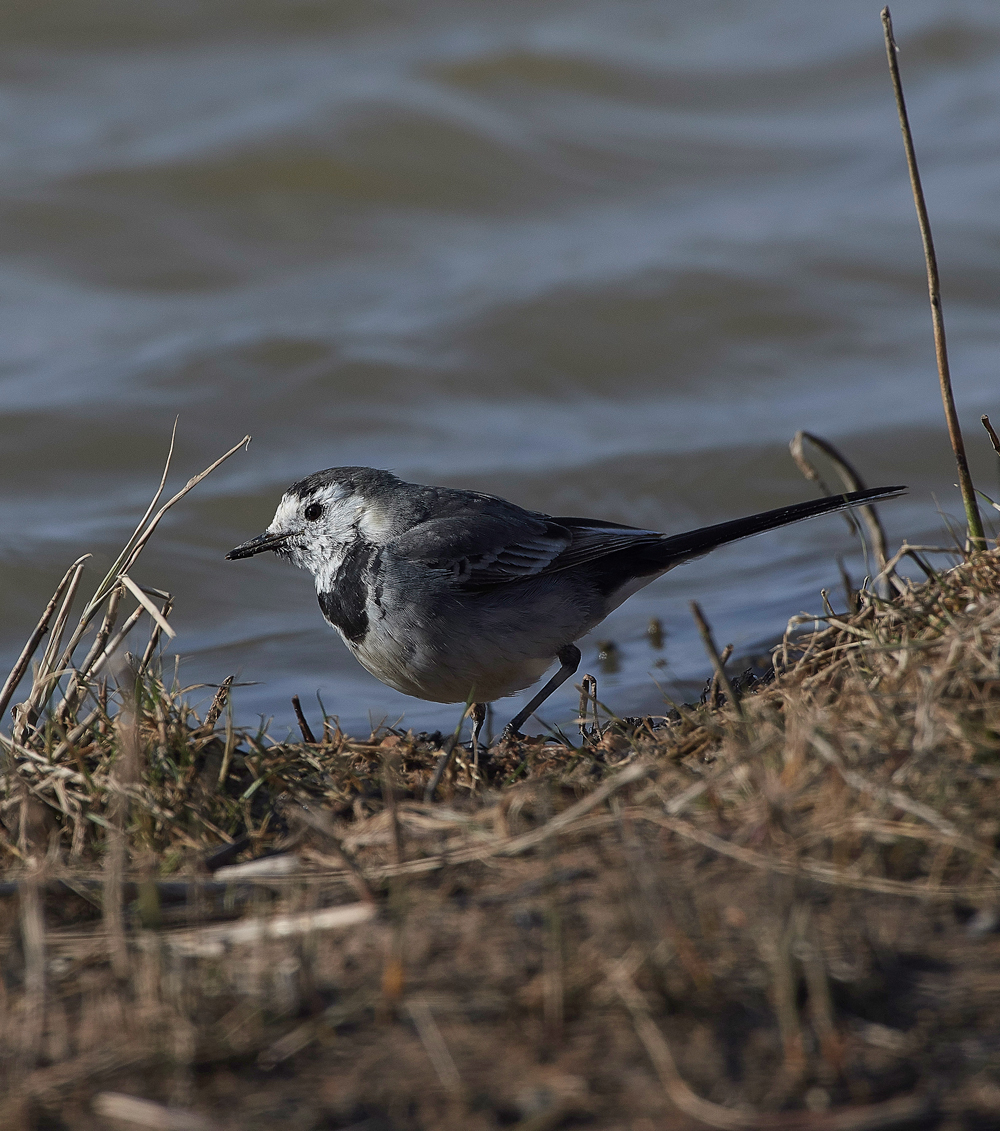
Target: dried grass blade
21, 665
189, 486
148, 605
48, 673
852, 482
143, 531
74, 693
116, 641
713, 654
154, 637
219, 701
105, 587
298, 811
48, 663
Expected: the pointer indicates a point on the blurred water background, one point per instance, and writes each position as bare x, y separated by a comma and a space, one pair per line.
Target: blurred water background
602, 258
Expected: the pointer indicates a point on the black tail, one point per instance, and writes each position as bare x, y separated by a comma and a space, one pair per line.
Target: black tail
694, 543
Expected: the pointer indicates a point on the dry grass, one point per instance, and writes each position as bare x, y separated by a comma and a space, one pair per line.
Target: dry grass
776, 915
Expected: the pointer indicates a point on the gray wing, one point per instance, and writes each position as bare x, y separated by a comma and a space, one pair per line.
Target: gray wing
592, 540
486, 541
481, 550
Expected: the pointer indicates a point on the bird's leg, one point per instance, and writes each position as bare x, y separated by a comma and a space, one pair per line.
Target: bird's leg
569, 657
478, 718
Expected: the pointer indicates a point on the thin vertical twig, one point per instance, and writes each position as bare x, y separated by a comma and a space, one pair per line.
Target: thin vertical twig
713, 654
304, 727
977, 537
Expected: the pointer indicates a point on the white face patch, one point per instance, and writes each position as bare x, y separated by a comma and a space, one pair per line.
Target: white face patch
374, 524
319, 539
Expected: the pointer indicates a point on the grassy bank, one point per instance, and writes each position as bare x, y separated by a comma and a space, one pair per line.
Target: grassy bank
777, 912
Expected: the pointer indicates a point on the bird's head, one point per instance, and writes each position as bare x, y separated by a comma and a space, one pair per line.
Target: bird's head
321, 517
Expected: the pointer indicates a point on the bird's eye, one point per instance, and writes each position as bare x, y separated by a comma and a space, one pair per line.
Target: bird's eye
313, 511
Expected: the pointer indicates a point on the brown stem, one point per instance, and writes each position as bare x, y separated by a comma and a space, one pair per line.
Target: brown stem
977, 537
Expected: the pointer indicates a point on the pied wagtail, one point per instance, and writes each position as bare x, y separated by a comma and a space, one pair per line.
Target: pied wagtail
453, 595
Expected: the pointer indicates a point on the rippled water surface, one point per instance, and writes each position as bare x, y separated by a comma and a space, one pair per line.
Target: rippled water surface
601, 258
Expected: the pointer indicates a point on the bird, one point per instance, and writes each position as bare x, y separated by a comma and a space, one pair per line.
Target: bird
457, 596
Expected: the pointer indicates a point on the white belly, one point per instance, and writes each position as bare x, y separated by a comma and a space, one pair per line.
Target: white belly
448, 675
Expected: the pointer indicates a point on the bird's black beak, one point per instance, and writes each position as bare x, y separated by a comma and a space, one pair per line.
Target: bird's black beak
258, 545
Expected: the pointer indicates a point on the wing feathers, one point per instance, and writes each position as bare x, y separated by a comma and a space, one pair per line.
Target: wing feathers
483, 550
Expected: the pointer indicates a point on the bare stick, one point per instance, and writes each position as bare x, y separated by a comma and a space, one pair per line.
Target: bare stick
977, 538
307, 734
713, 655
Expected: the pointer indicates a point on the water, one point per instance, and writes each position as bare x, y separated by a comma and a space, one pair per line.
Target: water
600, 258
